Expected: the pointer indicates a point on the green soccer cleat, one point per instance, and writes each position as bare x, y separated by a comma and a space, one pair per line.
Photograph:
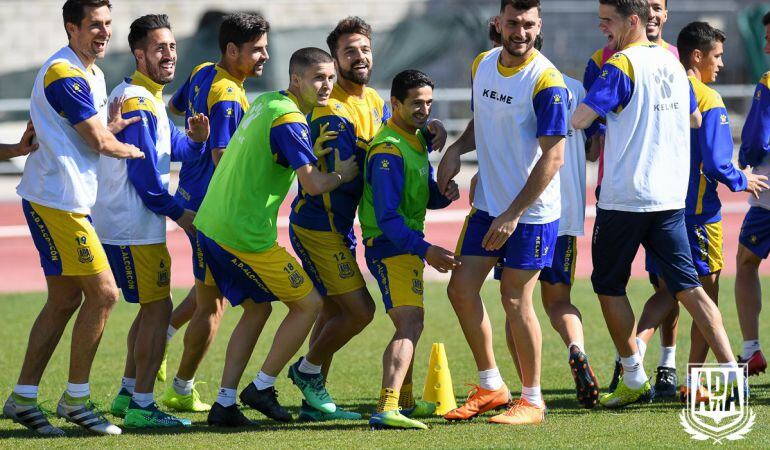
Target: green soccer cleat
394, 420
309, 414
184, 403
313, 389
120, 403
161, 375
421, 408
624, 395
151, 417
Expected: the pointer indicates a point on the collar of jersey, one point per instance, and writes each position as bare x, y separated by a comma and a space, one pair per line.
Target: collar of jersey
228, 75
412, 139
140, 79
346, 97
292, 97
511, 71
643, 44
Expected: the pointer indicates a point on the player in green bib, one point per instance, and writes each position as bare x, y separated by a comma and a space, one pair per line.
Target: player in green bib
237, 231
398, 189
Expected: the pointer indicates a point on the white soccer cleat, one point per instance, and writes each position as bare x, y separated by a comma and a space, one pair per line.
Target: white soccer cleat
87, 416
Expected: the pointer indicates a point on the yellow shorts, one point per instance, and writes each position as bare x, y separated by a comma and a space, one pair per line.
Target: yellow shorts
66, 241
328, 258
142, 272
400, 279
262, 277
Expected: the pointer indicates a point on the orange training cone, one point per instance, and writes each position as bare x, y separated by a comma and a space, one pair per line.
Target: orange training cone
438, 383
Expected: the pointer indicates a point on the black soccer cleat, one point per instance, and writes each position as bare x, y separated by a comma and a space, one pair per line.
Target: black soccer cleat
228, 417
586, 384
266, 402
666, 382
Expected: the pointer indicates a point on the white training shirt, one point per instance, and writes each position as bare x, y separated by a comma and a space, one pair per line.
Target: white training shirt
573, 172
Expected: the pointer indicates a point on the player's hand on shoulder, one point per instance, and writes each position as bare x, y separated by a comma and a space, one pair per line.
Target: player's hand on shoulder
441, 259
115, 121
185, 222
198, 127
436, 128
347, 168
755, 183
452, 191
323, 136
133, 152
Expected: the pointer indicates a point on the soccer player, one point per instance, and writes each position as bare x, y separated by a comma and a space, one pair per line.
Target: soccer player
666, 377
755, 232
321, 227
520, 121
399, 188
130, 213
25, 146
69, 110
644, 95
217, 91
237, 227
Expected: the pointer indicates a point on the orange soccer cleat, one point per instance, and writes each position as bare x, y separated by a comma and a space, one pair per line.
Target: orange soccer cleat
521, 412
701, 395
479, 401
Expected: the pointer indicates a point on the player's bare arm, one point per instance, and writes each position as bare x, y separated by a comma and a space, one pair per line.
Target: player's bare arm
24, 147
584, 116
102, 141
449, 166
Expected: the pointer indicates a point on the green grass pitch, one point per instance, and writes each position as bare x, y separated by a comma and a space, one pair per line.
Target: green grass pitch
355, 379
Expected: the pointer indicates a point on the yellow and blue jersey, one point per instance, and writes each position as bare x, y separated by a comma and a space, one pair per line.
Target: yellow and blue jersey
69, 93
356, 120
711, 154
289, 140
144, 173
214, 92
755, 137
613, 88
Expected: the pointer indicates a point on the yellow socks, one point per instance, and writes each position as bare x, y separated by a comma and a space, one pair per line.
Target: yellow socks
388, 400
406, 399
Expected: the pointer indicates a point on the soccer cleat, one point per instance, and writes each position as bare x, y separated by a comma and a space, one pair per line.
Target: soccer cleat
87, 416
701, 395
30, 415
479, 401
313, 389
586, 384
151, 417
184, 403
624, 395
616, 375
228, 417
309, 414
394, 420
755, 364
265, 401
161, 375
421, 408
521, 412
120, 403
666, 382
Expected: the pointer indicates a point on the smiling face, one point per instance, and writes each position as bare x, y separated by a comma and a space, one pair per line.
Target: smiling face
314, 84
518, 29
354, 58
157, 57
614, 26
414, 111
89, 38
249, 59
658, 17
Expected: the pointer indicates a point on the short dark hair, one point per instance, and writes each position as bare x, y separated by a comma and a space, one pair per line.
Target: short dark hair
348, 25
628, 8
406, 80
494, 36
307, 57
697, 36
766, 19
520, 5
240, 28
74, 11
142, 26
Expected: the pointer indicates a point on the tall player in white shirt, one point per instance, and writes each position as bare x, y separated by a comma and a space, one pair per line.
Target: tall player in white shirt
520, 121
69, 112
643, 94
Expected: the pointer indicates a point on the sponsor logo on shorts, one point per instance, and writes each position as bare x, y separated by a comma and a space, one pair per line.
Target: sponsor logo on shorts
702, 243
249, 273
538, 244
53, 253
163, 276
128, 268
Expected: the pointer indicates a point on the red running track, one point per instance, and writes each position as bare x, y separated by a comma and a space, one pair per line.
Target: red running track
20, 265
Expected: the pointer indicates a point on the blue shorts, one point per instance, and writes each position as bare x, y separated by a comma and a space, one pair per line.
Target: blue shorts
617, 236
705, 248
262, 277
755, 231
530, 247
562, 270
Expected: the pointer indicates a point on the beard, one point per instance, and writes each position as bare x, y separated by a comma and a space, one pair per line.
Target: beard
351, 75
158, 75
512, 48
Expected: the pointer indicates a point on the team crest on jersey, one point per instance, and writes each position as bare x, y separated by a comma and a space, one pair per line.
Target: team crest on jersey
758, 95
346, 270
664, 79
556, 99
341, 127
385, 164
417, 287
229, 90
304, 134
296, 279
229, 112
604, 74
163, 278
723, 119
84, 255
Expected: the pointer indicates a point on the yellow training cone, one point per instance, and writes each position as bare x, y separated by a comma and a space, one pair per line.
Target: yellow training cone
438, 383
